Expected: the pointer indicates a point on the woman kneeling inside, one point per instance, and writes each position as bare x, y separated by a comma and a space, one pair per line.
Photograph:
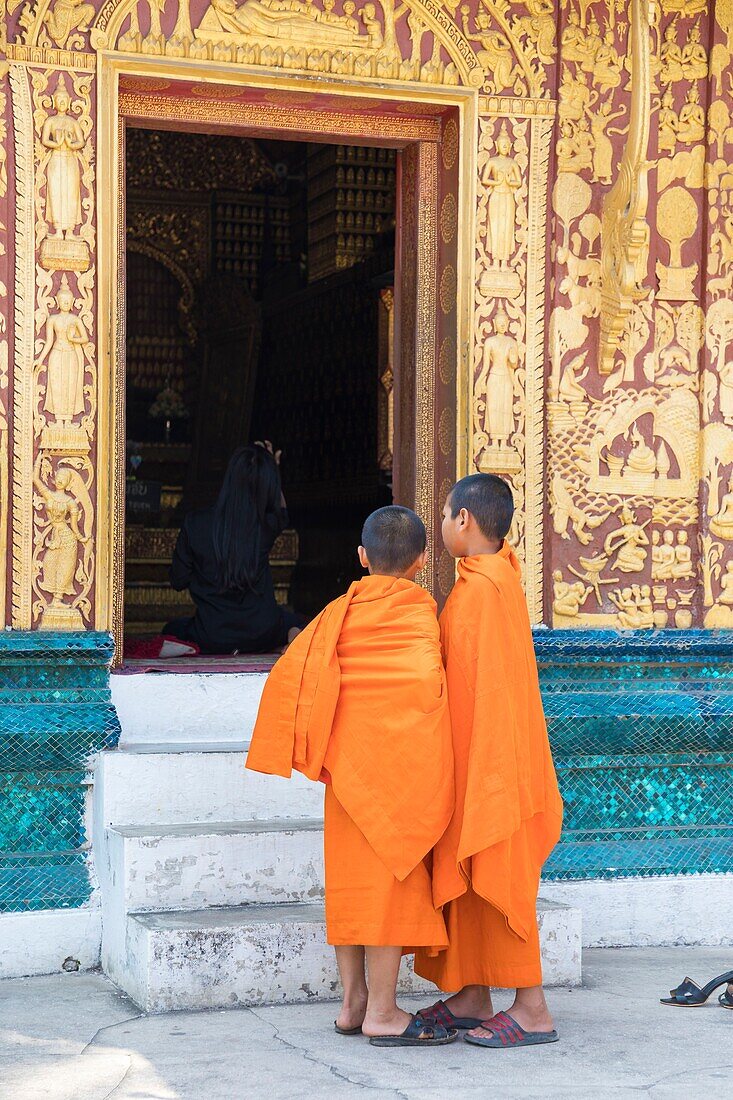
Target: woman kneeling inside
222, 558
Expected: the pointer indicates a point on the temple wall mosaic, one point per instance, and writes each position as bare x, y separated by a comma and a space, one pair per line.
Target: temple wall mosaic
598, 372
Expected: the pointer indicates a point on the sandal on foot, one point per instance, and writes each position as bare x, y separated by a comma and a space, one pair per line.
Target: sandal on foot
508, 1033
726, 999
347, 1030
439, 1013
688, 994
418, 1033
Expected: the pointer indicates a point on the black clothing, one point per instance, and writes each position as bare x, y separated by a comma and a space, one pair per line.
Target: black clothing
251, 621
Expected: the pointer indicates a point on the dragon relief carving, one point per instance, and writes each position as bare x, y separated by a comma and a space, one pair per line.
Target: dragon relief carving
624, 228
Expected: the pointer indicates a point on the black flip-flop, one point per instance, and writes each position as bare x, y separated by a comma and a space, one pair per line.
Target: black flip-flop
726, 999
689, 994
418, 1033
439, 1013
347, 1030
508, 1033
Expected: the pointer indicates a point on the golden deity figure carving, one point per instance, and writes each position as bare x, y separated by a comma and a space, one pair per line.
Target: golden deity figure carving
722, 523
694, 58
668, 122
672, 68
607, 65
602, 145
574, 147
64, 18
502, 177
625, 233
628, 542
495, 53
635, 607
691, 127
495, 394
572, 40
63, 138
297, 22
62, 535
565, 510
720, 615
568, 598
677, 218
65, 342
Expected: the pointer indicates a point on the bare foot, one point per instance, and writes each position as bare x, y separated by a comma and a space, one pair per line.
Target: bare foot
530, 1010
472, 1000
352, 1013
392, 1024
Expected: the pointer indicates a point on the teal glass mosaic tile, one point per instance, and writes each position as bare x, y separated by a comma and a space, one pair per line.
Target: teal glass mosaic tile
55, 713
641, 725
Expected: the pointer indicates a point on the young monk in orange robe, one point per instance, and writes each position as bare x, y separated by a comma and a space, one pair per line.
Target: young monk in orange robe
508, 814
359, 702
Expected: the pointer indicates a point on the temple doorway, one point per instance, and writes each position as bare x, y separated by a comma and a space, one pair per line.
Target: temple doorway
259, 305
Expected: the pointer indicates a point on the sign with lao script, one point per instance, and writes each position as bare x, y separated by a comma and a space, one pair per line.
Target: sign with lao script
142, 497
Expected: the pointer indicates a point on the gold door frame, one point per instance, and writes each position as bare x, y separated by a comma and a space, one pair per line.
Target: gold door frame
113, 107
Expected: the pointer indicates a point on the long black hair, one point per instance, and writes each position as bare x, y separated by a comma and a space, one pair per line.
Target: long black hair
249, 497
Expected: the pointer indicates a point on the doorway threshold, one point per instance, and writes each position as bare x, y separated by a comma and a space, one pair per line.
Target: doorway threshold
241, 663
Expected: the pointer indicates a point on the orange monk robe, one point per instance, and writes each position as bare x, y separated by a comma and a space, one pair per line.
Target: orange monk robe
359, 701
508, 814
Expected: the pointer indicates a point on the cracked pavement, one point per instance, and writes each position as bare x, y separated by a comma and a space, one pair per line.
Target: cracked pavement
75, 1037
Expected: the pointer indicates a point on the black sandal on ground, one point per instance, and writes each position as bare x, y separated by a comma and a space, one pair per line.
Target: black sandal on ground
689, 994
439, 1013
418, 1033
347, 1030
726, 998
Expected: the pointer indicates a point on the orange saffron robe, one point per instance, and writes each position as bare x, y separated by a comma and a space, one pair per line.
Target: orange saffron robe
359, 701
508, 813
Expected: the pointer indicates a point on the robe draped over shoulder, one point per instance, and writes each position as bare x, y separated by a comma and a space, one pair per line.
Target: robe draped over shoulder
508, 813
359, 700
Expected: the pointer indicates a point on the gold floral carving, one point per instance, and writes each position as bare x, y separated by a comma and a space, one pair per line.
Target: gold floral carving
448, 286
338, 123
448, 218
625, 230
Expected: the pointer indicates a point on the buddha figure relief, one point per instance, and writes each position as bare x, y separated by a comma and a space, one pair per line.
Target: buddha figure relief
502, 178
63, 138
722, 524
495, 383
65, 340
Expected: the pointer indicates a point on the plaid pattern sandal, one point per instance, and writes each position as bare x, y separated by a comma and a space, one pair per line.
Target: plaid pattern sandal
439, 1013
506, 1033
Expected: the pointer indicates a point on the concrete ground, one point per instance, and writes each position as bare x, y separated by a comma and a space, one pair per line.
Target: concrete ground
74, 1037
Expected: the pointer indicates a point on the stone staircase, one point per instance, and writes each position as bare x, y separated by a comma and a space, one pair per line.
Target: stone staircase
211, 882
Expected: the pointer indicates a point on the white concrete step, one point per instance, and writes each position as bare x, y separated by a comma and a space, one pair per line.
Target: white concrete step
255, 955
180, 787
203, 866
181, 708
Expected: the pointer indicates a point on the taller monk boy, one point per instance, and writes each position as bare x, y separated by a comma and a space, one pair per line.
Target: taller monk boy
508, 814
359, 702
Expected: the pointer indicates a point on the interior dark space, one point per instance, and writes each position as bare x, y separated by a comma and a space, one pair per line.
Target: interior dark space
259, 306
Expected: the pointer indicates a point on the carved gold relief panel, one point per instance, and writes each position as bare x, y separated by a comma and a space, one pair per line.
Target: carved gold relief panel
5, 326
509, 334
55, 355
627, 330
